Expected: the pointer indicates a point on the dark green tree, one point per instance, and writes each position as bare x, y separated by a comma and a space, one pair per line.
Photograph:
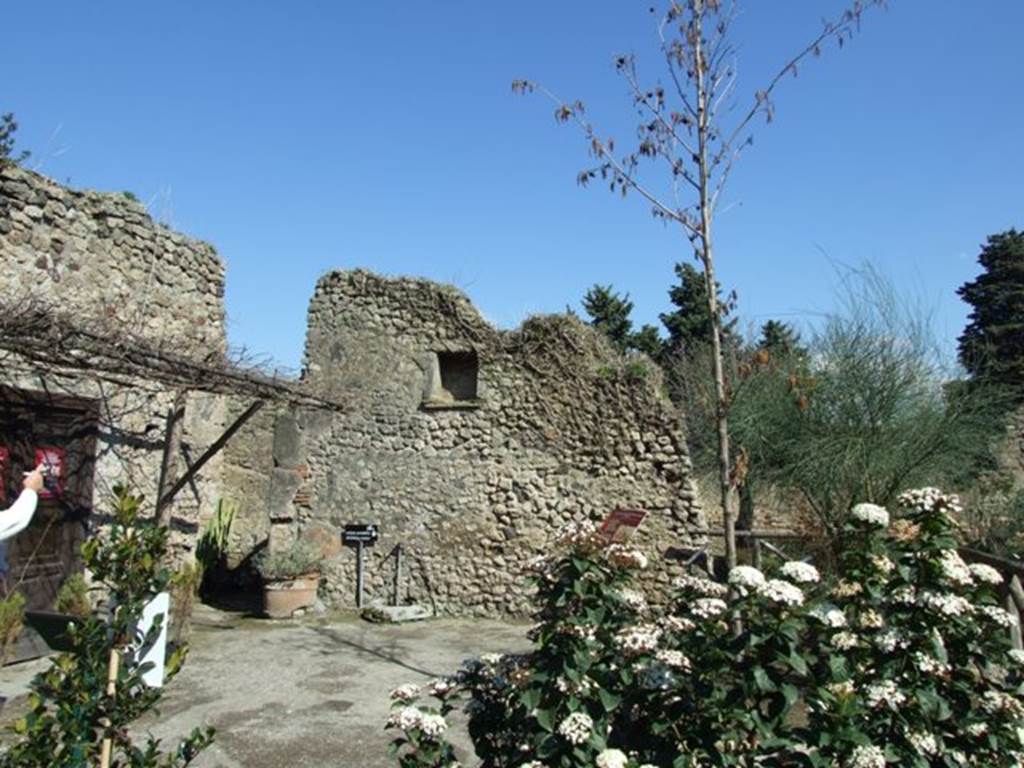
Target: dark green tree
609, 313
689, 323
992, 344
781, 341
648, 341
9, 127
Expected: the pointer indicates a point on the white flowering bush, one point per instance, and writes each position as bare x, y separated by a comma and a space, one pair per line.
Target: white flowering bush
903, 660
915, 667
422, 742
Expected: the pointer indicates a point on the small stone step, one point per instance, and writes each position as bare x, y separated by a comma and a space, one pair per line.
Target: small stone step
395, 614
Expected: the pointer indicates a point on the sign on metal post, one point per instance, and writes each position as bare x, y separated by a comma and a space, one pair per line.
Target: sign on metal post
359, 536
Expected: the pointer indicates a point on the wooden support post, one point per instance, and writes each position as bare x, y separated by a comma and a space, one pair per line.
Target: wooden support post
169, 465
1015, 604
112, 668
168, 493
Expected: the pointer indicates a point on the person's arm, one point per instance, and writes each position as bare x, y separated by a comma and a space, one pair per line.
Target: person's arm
17, 518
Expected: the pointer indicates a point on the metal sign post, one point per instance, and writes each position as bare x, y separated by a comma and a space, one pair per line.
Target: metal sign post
360, 536
359, 574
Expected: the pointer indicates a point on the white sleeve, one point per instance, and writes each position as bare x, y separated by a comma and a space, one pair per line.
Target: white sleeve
17, 518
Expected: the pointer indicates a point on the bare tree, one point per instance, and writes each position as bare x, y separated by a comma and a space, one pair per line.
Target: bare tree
691, 131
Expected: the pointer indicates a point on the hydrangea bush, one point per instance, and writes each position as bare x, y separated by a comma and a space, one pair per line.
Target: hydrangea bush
903, 660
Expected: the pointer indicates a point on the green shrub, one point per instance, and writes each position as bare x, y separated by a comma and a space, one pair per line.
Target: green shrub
70, 713
12, 615
73, 597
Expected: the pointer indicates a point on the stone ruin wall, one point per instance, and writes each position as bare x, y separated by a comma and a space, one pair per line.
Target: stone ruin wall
564, 429
102, 257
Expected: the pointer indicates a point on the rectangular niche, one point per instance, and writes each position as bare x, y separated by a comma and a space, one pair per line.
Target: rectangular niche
453, 381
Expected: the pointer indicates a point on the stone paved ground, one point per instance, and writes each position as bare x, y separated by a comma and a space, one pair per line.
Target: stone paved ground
305, 695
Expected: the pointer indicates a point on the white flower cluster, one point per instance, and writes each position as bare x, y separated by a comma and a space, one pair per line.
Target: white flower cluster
625, 557
577, 534
433, 726
491, 659
997, 701
872, 514
954, 569
441, 687
883, 564
847, 588
633, 599
611, 758
871, 619
884, 694
800, 573
930, 665
844, 641
701, 586
406, 693
708, 607
746, 578
586, 632
891, 640
946, 605
585, 686
928, 500
677, 624
925, 743
998, 615
782, 592
986, 574
867, 756
533, 764
637, 640
576, 728
906, 595
406, 718
673, 659
830, 617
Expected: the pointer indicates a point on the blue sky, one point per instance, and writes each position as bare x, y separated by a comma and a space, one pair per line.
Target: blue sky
300, 137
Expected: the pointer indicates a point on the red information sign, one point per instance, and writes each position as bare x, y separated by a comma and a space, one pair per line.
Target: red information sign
52, 461
5, 471
619, 526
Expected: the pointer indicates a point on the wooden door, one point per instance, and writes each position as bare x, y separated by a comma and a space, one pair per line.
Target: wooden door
42, 556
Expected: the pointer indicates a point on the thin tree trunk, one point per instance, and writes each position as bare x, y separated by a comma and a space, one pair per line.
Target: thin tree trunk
708, 262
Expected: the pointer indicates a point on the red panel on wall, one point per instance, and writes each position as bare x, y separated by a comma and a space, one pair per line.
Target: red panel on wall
51, 459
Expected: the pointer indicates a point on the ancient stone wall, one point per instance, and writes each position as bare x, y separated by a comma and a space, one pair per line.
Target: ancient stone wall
102, 255
471, 472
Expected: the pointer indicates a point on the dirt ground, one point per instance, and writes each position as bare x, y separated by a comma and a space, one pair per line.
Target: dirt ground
301, 694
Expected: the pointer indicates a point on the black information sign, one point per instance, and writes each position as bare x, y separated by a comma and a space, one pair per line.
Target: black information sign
366, 535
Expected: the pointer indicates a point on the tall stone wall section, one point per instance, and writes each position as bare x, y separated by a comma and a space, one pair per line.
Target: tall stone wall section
102, 255
563, 428
102, 258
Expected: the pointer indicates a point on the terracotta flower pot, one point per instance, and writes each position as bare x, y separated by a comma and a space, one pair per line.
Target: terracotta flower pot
282, 597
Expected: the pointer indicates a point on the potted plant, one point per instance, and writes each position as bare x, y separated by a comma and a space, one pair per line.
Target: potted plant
290, 578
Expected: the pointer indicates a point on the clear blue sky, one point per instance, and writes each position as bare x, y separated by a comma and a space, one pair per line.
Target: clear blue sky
303, 136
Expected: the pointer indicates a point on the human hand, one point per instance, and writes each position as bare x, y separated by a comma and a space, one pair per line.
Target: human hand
33, 480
